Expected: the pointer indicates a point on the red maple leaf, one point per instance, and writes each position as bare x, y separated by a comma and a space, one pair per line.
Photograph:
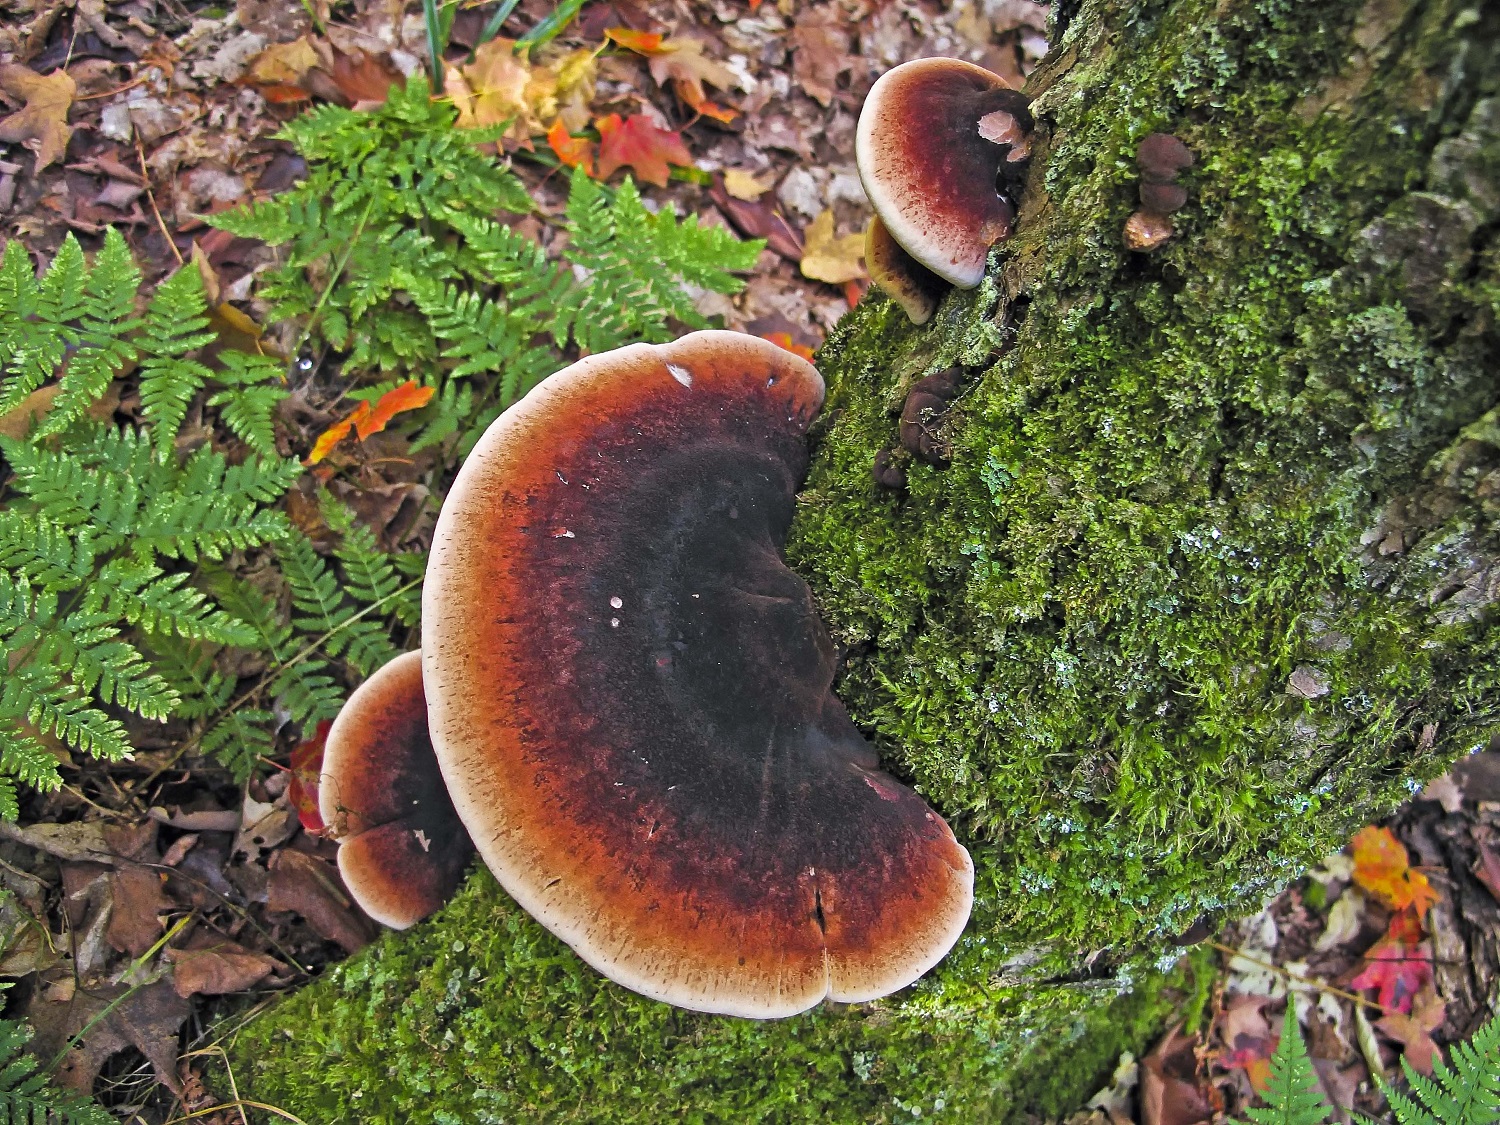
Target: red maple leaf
307, 764
643, 145
1399, 964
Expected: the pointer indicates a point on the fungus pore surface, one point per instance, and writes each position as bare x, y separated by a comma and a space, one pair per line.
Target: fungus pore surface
633, 706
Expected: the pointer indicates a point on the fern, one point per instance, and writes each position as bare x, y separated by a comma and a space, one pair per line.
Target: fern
1292, 1096
26, 1095
98, 518
1467, 1092
390, 254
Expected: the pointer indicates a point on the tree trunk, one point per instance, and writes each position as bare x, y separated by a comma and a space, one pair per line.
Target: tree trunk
1209, 582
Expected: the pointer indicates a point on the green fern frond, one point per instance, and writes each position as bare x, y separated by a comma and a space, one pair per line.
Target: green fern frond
1464, 1091
240, 740
1292, 1096
253, 386
175, 327
26, 1094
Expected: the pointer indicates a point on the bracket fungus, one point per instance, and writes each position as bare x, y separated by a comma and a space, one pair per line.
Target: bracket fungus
402, 849
630, 694
942, 146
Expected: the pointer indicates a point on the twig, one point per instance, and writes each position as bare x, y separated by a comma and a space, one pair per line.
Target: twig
206, 1110
140, 155
1318, 985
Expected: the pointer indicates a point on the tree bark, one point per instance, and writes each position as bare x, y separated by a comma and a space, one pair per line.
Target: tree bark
1209, 581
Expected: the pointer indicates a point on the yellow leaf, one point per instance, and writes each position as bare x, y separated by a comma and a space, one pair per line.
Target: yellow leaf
284, 64
492, 89
830, 259
744, 185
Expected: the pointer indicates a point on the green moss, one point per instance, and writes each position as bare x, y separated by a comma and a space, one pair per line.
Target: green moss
1177, 480
505, 1024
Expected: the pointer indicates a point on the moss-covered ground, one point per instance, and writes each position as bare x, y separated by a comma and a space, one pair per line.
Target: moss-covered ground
1207, 584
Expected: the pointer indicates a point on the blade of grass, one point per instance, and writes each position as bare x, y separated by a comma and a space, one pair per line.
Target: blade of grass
549, 28
436, 41
502, 13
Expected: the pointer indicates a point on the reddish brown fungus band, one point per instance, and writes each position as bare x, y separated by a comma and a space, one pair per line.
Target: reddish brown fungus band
630, 694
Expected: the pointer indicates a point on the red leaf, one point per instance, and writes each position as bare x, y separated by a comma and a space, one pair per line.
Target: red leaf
1399, 965
784, 341
638, 142
307, 764
575, 152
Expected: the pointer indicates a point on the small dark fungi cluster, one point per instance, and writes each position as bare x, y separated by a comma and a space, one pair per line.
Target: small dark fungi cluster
943, 147
630, 698
402, 848
1161, 158
926, 403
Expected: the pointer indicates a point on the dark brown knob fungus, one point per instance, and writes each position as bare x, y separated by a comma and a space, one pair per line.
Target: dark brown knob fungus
887, 473
1160, 157
1162, 199
940, 144
635, 717
925, 404
900, 276
402, 848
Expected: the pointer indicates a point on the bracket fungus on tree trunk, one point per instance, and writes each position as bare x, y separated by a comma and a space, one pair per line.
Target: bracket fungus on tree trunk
630, 694
402, 849
941, 147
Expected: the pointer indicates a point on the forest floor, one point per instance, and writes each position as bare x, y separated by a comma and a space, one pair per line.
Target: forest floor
147, 898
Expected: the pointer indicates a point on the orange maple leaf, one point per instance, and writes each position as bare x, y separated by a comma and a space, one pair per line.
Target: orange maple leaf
365, 419
640, 143
410, 395
641, 42
575, 152
683, 63
1381, 867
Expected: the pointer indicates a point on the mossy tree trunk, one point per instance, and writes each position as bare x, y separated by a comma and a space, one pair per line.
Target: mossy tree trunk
1209, 582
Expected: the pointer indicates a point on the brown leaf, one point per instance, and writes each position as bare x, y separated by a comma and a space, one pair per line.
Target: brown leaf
1414, 1032
307, 886
365, 79
147, 1018
215, 966
1169, 1091
758, 220
42, 123
821, 46
831, 259
139, 900
1487, 870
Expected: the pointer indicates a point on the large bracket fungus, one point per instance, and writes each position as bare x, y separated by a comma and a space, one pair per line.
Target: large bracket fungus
941, 146
630, 694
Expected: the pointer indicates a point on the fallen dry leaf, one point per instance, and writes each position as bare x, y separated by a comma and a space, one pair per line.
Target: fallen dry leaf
215, 966
1381, 866
754, 219
410, 395
40, 125
1414, 1031
1345, 920
492, 90
283, 64
365, 79
831, 259
574, 152
1169, 1090
682, 63
784, 341
820, 45
139, 902
307, 886
147, 1018
1399, 965
639, 143
1487, 870
745, 185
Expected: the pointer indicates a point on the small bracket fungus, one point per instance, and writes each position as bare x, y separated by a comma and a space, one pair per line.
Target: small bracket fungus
900, 276
942, 146
887, 473
1146, 230
402, 849
926, 402
635, 720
